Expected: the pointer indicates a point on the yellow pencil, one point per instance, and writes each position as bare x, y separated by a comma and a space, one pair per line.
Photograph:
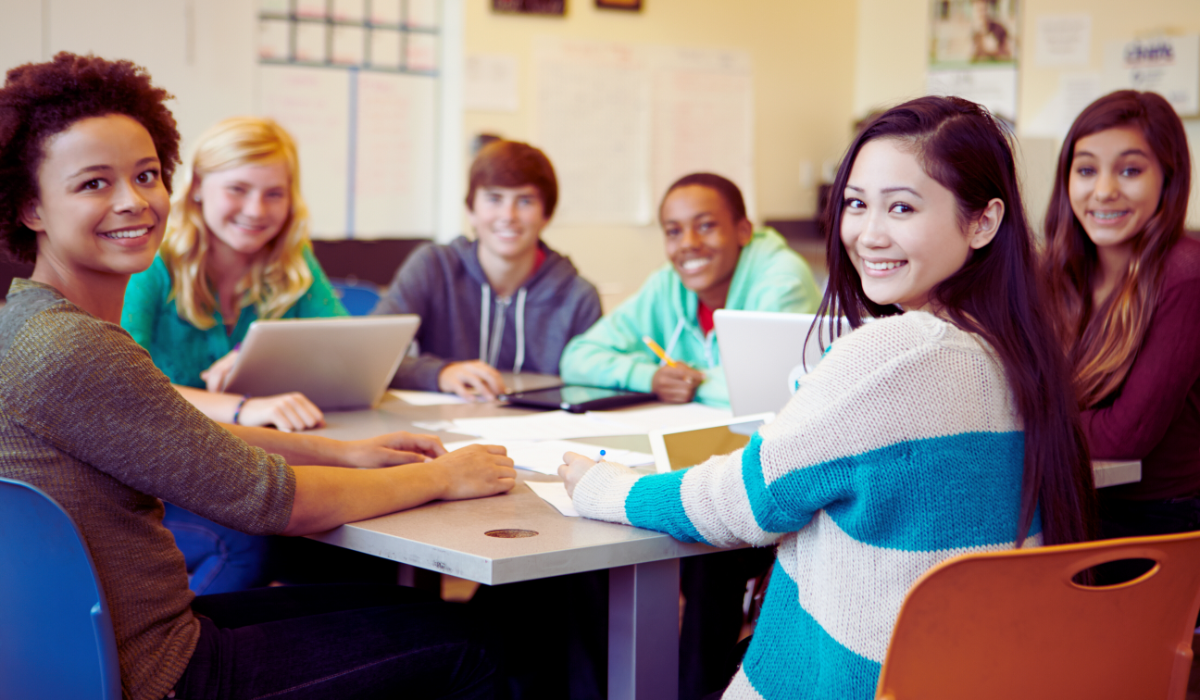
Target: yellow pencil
657, 350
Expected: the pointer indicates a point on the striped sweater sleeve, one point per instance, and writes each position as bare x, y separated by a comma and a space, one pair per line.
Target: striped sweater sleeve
854, 433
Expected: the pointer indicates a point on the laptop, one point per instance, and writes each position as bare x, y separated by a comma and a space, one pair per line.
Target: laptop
338, 363
760, 350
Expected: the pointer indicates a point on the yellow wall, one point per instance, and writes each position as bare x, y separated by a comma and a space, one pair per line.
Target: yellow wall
803, 83
892, 51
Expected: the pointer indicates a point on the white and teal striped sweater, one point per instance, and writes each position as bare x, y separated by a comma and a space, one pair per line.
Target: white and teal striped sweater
901, 449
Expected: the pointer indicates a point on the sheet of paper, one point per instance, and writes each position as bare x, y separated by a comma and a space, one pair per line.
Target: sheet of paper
394, 157
426, 398
1063, 40
385, 48
386, 12
703, 117
273, 40
545, 456
349, 45
994, 87
552, 425
310, 46
554, 493
348, 10
420, 52
311, 104
644, 420
1168, 65
314, 9
592, 112
490, 83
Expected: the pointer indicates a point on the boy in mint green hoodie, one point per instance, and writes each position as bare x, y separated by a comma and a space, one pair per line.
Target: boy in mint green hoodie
717, 261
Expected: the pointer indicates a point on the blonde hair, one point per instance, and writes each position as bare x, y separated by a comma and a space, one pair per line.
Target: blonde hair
279, 274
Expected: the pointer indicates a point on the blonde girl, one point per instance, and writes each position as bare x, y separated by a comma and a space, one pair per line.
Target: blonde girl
236, 250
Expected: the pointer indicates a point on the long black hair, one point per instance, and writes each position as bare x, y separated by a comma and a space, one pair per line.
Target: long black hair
995, 295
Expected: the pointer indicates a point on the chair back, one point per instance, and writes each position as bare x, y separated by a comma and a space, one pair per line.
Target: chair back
56, 636
1013, 624
358, 297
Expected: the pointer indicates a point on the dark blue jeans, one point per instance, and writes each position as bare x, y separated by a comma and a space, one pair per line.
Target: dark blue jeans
340, 642
221, 560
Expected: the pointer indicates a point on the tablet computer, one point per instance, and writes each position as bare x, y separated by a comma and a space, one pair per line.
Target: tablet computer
680, 448
577, 399
338, 363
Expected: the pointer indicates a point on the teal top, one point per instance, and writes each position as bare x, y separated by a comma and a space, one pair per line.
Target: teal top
769, 277
181, 350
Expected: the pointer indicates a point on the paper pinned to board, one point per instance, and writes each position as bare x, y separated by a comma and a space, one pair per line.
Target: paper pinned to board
545, 456
554, 493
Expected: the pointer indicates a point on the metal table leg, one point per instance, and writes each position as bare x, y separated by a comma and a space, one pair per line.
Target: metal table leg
643, 631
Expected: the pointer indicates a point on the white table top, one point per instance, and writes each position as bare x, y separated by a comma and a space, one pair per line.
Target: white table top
450, 536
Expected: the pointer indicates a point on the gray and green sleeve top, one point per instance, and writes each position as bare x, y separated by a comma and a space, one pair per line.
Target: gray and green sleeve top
87, 417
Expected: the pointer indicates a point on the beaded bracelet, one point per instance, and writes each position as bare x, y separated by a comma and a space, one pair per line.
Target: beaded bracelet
237, 412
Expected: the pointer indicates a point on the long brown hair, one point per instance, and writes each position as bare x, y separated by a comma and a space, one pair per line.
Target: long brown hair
1102, 341
994, 295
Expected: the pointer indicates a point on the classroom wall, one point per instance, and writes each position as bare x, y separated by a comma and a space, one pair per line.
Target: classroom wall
202, 51
803, 82
892, 48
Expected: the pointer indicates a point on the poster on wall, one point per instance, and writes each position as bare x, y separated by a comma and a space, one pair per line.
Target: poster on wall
1168, 65
973, 52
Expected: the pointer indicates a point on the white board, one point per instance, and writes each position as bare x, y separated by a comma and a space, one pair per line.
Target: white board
393, 182
592, 118
621, 122
311, 103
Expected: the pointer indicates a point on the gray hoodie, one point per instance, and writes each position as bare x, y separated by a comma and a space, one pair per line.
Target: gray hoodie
463, 319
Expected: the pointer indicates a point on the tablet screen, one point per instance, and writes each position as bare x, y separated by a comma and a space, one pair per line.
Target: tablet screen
689, 447
577, 398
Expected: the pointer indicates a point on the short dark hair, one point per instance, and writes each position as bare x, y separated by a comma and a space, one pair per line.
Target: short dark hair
514, 164
722, 186
39, 100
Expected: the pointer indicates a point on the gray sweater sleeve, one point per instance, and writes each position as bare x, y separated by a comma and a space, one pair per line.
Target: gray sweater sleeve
409, 292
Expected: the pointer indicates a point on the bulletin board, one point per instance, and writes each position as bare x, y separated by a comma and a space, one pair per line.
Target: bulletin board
356, 82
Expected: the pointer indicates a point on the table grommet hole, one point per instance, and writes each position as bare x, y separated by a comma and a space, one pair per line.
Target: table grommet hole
511, 533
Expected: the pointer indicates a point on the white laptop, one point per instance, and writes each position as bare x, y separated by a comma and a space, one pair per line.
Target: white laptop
336, 362
760, 350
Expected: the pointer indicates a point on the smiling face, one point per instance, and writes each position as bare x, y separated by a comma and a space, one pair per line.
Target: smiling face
703, 241
246, 206
1115, 186
102, 205
507, 220
901, 228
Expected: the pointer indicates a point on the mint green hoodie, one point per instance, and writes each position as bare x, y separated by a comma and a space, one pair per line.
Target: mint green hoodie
769, 277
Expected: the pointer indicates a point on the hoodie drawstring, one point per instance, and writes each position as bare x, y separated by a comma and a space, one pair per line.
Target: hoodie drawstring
675, 336
485, 325
490, 339
520, 331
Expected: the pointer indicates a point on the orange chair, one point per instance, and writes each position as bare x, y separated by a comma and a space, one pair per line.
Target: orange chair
1012, 625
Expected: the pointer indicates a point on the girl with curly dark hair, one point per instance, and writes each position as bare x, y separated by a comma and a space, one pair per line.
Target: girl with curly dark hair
87, 149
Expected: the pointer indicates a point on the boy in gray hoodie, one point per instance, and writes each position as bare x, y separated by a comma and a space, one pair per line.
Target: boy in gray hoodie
504, 301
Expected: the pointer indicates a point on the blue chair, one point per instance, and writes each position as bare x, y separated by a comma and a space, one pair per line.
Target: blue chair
56, 636
357, 296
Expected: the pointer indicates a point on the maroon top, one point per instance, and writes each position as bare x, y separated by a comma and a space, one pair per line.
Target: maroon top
1155, 415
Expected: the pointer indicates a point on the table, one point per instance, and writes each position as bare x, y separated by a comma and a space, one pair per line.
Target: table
529, 539
519, 537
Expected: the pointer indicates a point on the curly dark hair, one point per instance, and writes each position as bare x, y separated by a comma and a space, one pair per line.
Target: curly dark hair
39, 100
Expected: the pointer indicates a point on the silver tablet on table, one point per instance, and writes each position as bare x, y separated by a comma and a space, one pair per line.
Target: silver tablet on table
336, 362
